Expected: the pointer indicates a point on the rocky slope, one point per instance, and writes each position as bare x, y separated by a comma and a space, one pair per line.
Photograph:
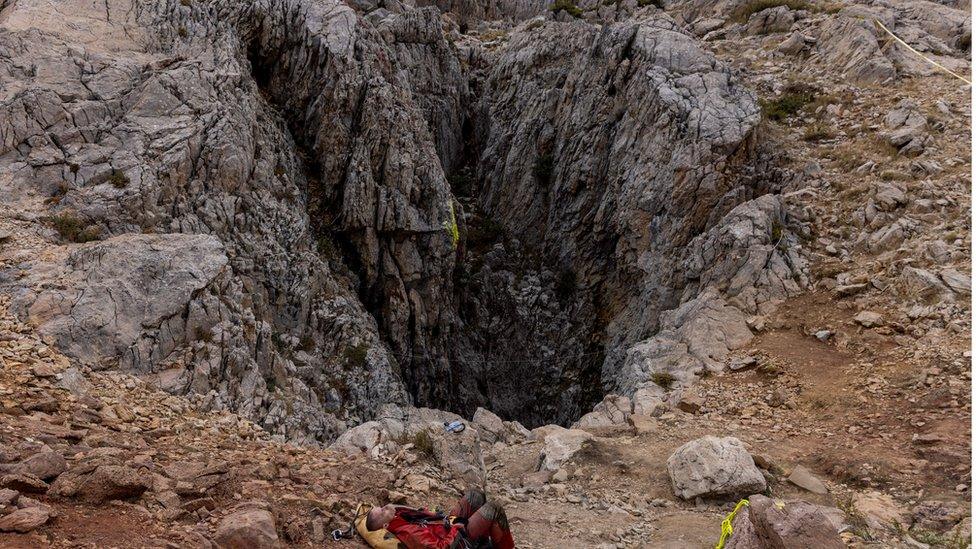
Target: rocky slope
347, 223
291, 162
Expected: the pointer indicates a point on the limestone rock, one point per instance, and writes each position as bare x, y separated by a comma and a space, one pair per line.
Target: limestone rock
493, 429
714, 467
561, 445
649, 400
767, 21
880, 511
612, 411
101, 483
24, 520
44, 465
772, 524
802, 477
869, 319
959, 283
247, 529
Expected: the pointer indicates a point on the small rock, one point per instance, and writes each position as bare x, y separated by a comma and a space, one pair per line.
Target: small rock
743, 363
24, 483
712, 466
823, 335
880, 511
74, 382
803, 478
24, 520
926, 439
691, 403
768, 523
869, 319
247, 529
43, 465
560, 446
43, 370
956, 281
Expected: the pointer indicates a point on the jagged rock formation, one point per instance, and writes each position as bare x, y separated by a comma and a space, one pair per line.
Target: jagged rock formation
287, 165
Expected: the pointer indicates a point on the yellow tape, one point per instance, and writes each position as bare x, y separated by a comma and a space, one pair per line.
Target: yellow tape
727, 523
913, 50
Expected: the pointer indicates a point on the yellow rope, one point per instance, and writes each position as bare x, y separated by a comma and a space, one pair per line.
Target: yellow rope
727, 523
916, 52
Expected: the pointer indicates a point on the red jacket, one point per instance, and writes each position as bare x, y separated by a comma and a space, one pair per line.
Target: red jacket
420, 529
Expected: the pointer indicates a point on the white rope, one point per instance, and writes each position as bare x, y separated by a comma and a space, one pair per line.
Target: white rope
916, 52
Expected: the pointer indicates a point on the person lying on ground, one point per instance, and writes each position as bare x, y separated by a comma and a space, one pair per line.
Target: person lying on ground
473, 522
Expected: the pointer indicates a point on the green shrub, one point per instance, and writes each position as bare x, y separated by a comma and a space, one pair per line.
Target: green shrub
817, 132
663, 380
793, 99
355, 357
72, 228
423, 443
567, 6
118, 179
451, 226
745, 11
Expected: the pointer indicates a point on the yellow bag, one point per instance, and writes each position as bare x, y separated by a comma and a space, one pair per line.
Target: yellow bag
377, 539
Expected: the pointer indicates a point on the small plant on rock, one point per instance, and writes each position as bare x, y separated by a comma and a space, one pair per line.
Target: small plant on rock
118, 179
745, 11
354, 358
567, 6
451, 226
73, 228
793, 99
663, 380
423, 443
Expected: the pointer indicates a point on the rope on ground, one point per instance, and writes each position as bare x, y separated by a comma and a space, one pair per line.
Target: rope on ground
727, 523
916, 52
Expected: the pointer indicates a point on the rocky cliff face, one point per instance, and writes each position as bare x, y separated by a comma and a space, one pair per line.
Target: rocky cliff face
268, 186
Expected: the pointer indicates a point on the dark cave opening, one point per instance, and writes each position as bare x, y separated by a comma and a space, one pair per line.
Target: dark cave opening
533, 363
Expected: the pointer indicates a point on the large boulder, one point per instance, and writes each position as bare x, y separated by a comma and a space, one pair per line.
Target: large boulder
252, 528
714, 467
44, 465
458, 452
494, 429
24, 520
880, 512
771, 524
114, 295
101, 483
612, 411
560, 445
